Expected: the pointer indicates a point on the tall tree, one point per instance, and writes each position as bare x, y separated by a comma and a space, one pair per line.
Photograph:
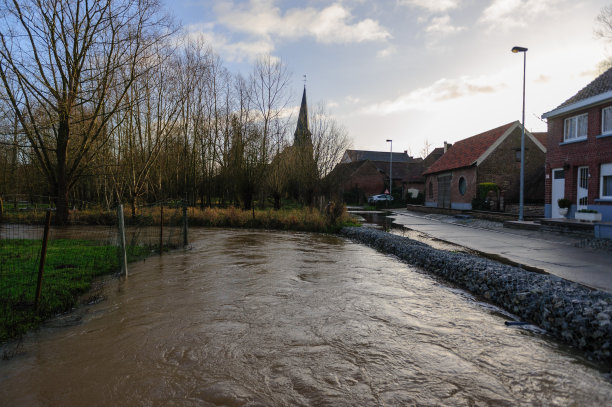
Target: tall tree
66, 66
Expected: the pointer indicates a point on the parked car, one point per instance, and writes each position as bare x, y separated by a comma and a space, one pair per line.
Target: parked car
380, 198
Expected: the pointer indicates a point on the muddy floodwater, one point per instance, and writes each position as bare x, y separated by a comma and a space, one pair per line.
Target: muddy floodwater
251, 318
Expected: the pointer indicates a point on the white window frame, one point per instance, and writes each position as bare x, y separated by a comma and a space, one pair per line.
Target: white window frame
571, 127
605, 171
603, 121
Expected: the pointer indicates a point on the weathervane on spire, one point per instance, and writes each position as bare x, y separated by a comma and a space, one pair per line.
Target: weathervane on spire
304, 80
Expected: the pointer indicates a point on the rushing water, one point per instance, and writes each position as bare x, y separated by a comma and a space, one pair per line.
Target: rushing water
260, 318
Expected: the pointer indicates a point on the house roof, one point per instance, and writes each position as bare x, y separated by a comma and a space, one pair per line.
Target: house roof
467, 151
597, 91
360, 155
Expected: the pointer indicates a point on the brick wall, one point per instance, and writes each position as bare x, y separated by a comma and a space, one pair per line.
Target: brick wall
502, 168
469, 174
592, 153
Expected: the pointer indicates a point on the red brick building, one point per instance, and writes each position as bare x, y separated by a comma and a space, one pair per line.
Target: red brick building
579, 157
363, 173
451, 182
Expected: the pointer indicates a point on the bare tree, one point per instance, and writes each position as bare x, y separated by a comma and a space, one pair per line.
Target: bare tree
66, 66
426, 149
603, 30
329, 140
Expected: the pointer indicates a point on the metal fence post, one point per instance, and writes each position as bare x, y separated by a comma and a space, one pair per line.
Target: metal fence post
122, 245
43, 256
185, 227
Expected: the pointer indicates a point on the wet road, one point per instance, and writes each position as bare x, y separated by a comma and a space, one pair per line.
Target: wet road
249, 318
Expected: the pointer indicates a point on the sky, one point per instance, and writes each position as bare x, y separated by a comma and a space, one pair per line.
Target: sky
413, 71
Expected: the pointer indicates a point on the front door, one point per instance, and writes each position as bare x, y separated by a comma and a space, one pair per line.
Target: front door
558, 190
582, 196
444, 191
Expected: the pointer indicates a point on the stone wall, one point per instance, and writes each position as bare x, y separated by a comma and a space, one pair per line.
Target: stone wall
568, 311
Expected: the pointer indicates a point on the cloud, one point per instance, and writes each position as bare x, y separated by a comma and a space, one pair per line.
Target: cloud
441, 91
386, 52
514, 13
442, 26
433, 6
234, 51
333, 24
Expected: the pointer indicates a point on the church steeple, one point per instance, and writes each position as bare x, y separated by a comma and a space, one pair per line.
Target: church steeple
302, 133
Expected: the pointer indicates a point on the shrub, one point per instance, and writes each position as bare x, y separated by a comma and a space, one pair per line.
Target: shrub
564, 203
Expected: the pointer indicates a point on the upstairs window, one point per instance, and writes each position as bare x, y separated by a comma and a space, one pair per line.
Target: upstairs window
576, 127
606, 120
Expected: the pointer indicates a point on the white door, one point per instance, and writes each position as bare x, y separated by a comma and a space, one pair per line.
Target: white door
582, 197
558, 190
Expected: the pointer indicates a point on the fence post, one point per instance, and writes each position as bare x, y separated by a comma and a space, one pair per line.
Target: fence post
43, 256
185, 241
122, 248
161, 229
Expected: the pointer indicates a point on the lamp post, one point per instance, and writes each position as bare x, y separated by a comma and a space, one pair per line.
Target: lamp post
390, 167
522, 180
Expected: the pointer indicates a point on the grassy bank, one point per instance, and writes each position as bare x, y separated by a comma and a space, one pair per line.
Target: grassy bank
295, 219
70, 268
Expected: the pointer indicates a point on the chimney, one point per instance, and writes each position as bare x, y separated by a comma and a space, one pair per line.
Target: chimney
445, 147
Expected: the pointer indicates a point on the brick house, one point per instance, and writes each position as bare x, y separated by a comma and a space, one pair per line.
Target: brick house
362, 173
579, 157
492, 156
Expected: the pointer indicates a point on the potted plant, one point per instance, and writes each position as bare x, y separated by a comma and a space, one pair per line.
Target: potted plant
588, 215
564, 205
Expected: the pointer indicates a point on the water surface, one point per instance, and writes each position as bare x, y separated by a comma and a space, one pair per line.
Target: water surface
250, 318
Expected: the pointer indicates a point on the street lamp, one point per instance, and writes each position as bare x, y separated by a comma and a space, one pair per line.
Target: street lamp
390, 167
522, 181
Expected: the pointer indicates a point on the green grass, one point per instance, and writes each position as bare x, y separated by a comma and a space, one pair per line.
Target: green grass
69, 270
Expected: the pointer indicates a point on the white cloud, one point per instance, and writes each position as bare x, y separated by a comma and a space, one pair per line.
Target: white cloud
333, 24
387, 52
434, 6
442, 26
233, 51
441, 91
514, 13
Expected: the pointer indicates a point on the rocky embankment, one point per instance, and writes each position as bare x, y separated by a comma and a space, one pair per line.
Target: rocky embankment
574, 314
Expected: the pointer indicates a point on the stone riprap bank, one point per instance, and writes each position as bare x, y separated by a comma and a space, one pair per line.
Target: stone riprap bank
568, 311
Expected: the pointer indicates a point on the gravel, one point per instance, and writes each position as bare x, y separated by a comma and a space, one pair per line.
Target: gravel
570, 312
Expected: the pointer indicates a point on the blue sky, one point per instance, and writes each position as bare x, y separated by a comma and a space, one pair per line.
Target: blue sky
412, 70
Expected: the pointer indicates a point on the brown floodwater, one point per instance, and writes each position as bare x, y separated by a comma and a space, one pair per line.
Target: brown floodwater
252, 318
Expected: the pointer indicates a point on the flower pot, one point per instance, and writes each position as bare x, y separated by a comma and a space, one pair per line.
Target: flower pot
563, 212
588, 217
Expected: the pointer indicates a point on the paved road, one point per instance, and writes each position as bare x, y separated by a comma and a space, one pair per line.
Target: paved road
549, 252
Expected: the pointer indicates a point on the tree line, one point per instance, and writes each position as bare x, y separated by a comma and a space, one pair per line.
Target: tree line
110, 100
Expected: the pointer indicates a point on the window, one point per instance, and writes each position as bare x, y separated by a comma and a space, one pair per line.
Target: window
462, 186
606, 182
606, 120
576, 127
430, 189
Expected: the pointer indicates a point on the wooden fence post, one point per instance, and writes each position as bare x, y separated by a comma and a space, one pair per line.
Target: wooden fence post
43, 256
122, 245
161, 229
185, 240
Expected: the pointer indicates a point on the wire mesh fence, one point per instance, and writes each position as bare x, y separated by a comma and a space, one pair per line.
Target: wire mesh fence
89, 246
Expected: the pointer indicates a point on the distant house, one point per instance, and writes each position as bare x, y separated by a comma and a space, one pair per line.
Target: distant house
579, 157
492, 156
362, 173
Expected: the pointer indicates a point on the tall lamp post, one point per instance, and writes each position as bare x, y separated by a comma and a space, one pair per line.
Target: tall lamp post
522, 181
390, 167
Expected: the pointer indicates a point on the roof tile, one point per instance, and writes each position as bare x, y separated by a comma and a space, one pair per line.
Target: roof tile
465, 152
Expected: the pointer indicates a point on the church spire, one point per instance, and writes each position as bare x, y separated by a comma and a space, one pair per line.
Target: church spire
302, 131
